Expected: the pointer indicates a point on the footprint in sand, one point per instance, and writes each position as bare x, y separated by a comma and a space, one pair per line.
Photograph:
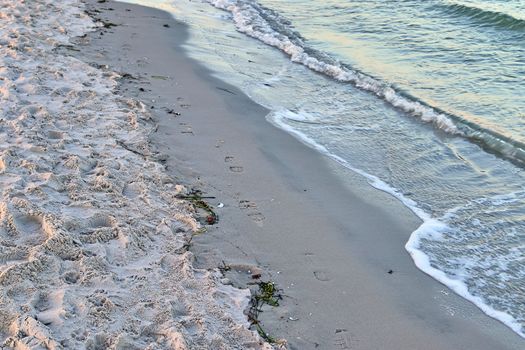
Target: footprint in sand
48, 306
251, 211
257, 217
344, 340
246, 204
323, 276
187, 129
71, 277
319, 274
233, 168
99, 228
30, 229
41, 302
126, 47
236, 169
19, 233
341, 340
132, 190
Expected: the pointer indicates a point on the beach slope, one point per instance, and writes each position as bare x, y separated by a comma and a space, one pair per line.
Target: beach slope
333, 244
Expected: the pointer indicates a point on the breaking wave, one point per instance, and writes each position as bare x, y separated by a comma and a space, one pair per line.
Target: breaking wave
271, 28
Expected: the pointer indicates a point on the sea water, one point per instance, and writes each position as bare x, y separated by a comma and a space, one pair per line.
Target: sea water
424, 98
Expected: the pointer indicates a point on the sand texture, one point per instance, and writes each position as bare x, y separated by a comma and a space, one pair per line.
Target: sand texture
322, 233
93, 239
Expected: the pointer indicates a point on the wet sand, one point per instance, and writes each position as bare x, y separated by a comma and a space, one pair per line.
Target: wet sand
332, 243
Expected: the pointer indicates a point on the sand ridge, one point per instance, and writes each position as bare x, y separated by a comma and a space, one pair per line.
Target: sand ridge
93, 239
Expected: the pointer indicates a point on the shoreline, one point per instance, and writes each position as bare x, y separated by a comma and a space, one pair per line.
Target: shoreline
232, 155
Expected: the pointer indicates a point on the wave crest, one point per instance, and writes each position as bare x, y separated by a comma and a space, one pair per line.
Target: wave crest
268, 26
485, 17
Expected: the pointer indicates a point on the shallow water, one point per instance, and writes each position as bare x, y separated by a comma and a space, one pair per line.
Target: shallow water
423, 98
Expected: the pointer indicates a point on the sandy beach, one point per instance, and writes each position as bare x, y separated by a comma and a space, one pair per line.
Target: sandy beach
107, 129
93, 233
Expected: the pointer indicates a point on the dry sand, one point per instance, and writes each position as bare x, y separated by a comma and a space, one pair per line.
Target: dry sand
326, 237
93, 238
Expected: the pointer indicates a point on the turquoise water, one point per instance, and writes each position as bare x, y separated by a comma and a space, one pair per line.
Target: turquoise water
466, 58
423, 98
462, 57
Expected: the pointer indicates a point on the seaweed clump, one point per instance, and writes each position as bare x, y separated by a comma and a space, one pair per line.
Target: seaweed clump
267, 294
197, 199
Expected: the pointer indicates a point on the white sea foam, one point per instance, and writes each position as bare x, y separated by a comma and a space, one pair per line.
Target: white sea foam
93, 235
254, 20
430, 229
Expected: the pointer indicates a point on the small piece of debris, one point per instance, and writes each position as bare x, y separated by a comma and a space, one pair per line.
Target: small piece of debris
127, 76
220, 205
161, 77
166, 26
172, 111
390, 271
210, 219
